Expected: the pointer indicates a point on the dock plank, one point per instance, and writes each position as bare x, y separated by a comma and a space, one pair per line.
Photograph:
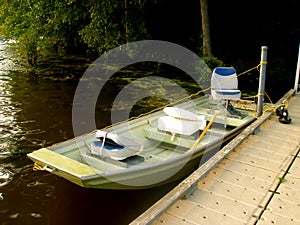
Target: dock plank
219, 202
272, 218
171, 219
197, 214
222, 188
263, 153
284, 207
240, 179
295, 170
249, 170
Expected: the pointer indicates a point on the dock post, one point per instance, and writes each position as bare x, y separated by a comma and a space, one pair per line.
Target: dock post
262, 78
297, 73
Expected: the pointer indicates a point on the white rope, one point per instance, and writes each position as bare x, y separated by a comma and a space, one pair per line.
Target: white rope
103, 141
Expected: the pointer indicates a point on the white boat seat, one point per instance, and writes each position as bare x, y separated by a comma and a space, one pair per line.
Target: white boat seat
224, 84
181, 121
114, 146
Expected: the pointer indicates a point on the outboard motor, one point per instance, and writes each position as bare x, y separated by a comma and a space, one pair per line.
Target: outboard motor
283, 115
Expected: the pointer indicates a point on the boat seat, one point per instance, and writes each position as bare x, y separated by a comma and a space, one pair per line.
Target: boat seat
180, 121
224, 84
114, 146
224, 87
163, 137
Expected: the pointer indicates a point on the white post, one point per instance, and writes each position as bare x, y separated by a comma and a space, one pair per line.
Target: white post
297, 73
262, 79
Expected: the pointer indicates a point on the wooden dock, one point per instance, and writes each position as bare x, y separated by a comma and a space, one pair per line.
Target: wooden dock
255, 179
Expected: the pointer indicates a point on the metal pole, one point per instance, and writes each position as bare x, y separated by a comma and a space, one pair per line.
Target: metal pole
262, 78
297, 73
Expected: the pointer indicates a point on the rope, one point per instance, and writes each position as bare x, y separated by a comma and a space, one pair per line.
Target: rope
103, 142
36, 167
265, 63
182, 99
273, 107
204, 131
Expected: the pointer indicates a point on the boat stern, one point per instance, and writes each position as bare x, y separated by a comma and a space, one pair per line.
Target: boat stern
50, 161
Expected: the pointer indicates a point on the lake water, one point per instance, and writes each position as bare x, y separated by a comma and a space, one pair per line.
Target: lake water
35, 111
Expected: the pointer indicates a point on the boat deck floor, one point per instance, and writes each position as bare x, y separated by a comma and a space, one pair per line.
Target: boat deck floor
257, 183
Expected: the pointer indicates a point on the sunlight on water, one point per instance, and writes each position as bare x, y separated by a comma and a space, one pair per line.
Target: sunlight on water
8, 126
17, 137
5, 177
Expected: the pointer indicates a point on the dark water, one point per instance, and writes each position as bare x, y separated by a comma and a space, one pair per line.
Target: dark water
35, 111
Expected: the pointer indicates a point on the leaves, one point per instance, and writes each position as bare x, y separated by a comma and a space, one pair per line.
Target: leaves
281, 180
65, 25
113, 23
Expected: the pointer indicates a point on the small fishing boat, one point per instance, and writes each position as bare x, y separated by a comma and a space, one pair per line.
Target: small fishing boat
154, 149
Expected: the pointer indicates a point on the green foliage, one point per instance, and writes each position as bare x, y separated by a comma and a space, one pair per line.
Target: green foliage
66, 25
212, 62
42, 25
281, 180
113, 23
103, 32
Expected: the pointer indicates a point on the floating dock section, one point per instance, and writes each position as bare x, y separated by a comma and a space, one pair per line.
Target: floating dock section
255, 179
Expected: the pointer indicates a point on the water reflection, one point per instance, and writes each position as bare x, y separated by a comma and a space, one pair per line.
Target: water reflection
34, 112
9, 129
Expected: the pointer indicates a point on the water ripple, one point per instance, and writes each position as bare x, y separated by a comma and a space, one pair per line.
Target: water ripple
5, 177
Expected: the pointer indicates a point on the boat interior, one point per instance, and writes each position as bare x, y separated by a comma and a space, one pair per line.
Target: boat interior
175, 131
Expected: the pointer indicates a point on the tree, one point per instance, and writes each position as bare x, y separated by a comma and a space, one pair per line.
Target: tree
113, 23
66, 25
42, 25
205, 28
